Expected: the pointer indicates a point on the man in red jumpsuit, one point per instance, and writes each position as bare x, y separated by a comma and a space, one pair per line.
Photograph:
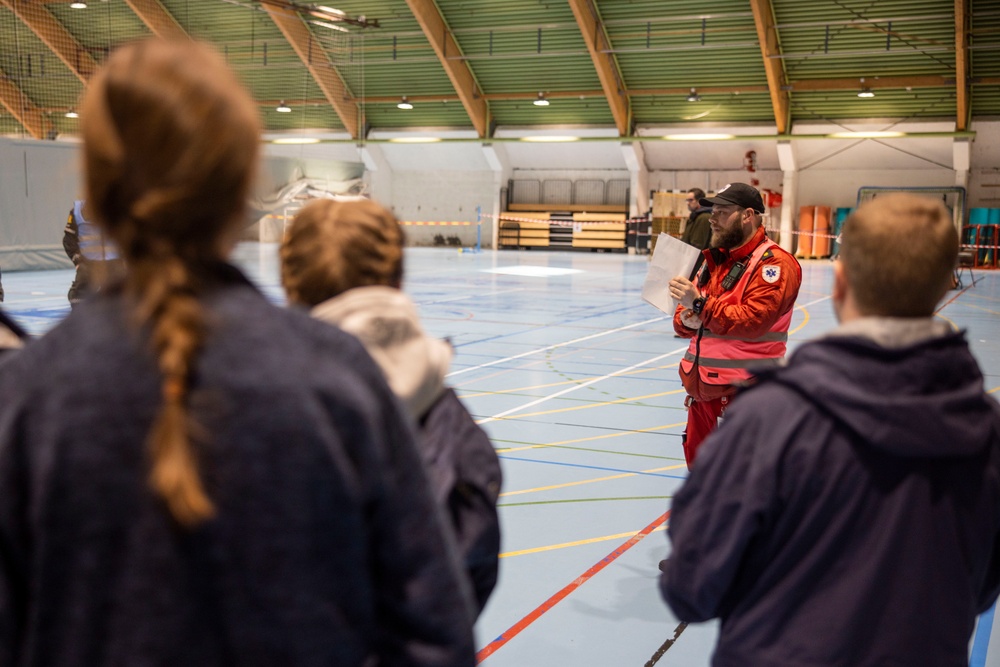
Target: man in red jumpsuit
736, 312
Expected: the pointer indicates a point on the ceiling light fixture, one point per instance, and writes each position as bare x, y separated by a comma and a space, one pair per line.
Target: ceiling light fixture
295, 140
331, 10
283, 108
698, 137
549, 139
866, 92
541, 101
403, 104
415, 140
78, 5
331, 26
694, 96
72, 114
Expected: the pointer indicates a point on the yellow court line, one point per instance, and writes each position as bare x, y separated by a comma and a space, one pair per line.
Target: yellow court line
588, 406
954, 327
591, 438
805, 313
987, 310
993, 390
561, 384
564, 545
589, 481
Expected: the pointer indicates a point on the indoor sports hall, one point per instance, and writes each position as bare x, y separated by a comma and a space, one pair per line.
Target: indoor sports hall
574, 377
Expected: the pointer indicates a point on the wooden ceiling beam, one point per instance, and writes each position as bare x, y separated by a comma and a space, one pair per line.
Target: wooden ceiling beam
159, 21
608, 71
55, 36
316, 60
445, 46
27, 114
767, 34
961, 64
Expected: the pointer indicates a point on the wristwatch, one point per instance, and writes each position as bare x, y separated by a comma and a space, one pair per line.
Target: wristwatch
698, 305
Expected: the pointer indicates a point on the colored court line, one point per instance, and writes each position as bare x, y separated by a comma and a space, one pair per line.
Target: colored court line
582, 500
981, 643
577, 543
952, 300
537, 613
557, 384
552, 347
805, 314
583, 385
993, 390
588, 405
586, 481
586, 467
603, 436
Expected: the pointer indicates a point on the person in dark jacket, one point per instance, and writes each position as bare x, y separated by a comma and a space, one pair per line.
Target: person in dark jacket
847, 511
191, 475
92, 253
698, 230
344, 260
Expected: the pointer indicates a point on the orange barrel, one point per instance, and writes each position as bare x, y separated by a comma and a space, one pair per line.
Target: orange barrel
805, 239
821, 227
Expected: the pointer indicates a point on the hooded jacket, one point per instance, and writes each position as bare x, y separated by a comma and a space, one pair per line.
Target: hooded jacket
461, 464
847, 511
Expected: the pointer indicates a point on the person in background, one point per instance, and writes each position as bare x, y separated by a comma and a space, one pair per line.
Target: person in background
847, 512
92, 253
736, 313
344, 260
192, 475
698, 230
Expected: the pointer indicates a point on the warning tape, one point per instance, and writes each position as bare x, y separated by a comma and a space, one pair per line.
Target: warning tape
442, 224
564, 223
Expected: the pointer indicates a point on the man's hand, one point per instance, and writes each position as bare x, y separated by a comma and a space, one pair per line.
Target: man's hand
684, 291
690, 320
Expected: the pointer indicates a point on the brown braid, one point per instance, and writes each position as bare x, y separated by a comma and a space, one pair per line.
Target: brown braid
170, 149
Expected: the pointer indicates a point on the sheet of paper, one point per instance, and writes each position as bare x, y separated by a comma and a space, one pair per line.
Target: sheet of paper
671, 258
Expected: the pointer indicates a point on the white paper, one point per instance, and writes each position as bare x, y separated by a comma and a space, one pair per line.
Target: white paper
671, 258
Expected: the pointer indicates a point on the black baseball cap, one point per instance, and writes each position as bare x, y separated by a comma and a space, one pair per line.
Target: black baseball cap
740, 194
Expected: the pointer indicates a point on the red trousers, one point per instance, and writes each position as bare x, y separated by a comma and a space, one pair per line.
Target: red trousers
703, 417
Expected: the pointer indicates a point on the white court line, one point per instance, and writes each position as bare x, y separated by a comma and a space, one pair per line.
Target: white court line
581, 386
812, 303
552, 347
468, 296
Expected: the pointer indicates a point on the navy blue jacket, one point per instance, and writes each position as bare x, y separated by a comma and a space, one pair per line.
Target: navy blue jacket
327, 548
463, 466
847, 511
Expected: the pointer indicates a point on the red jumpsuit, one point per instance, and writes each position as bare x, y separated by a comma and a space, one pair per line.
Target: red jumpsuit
741, 327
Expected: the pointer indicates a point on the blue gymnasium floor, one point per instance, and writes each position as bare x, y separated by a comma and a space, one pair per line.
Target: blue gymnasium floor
575, 379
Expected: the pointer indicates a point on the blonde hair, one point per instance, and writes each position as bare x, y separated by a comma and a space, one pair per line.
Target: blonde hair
899, 251
333, 246
170, 149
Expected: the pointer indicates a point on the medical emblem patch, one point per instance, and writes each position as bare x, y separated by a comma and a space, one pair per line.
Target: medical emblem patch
770, 273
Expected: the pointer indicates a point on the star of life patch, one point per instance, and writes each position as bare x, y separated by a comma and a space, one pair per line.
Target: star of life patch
770, 273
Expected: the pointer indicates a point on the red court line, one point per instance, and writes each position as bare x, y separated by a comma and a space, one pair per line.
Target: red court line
516, 629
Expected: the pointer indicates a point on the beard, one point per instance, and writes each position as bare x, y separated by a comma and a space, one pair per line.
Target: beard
728, 238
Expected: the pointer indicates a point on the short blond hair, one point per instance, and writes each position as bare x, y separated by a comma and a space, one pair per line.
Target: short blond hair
333, 246
899, 251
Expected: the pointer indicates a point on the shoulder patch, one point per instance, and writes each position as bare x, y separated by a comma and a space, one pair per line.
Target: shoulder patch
770, 272
768, 254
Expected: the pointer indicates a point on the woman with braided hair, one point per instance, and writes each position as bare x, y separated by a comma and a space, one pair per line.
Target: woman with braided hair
191, 475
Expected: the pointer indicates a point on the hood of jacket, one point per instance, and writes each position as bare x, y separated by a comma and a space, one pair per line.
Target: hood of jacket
698, 211
909, 387
386, 322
